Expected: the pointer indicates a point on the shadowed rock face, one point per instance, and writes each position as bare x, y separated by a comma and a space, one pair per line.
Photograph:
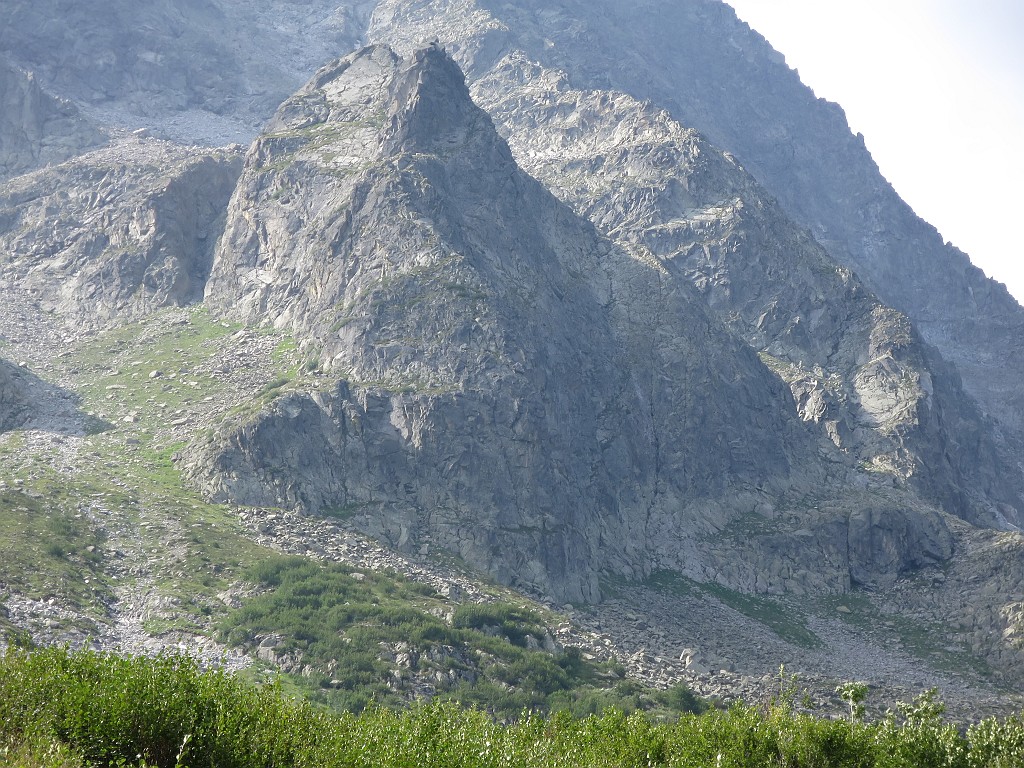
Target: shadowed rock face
27, 401
15, 406
711, 72
857, 368
196, 70
516, 388
119, 232
36, 128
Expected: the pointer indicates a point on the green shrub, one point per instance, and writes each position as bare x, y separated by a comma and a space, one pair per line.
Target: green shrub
341, 621
64, 709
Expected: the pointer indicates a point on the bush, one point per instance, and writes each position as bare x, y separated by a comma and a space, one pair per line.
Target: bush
63, 709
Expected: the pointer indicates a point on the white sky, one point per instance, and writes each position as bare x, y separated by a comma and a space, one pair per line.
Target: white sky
937, 89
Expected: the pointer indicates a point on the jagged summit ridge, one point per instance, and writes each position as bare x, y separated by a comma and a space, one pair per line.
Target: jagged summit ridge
711, 72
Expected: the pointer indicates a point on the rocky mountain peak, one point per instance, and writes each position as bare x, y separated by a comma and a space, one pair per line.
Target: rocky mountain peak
431, 108
502, 381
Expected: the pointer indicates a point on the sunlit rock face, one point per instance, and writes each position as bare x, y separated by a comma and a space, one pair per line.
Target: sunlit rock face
117, 233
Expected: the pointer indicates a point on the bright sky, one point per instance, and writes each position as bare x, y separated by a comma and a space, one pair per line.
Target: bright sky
937, 89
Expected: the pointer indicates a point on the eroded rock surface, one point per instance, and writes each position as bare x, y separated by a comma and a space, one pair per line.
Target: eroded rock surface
118, 232
517, 388
857, 368
712, 73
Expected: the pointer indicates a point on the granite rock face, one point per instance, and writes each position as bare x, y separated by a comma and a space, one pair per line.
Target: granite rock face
119, 232
36, 128
712, 73
857, 368
515, 388
207, 71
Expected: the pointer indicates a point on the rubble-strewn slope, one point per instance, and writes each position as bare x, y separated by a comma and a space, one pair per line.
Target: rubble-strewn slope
118, 232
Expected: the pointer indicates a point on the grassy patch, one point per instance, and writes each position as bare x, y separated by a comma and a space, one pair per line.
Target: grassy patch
136, 381
780, 617
48, 547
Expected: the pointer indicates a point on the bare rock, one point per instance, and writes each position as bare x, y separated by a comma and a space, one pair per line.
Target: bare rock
36, 128
116, 233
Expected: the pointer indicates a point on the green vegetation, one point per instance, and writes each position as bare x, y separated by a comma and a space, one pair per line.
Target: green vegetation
781, 618
66, 516
349, 637
49, 545
61, 709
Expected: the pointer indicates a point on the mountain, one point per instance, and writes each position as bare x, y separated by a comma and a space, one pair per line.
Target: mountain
207, 71
856, 367
525, 291
711, 72
117, 232
502, 394
552, 79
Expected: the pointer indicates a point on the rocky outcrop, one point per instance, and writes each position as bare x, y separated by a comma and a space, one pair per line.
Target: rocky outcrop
15, 405
35, 128
118, 232
515, 388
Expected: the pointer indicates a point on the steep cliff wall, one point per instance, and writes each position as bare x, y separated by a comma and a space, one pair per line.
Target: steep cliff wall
713, 73
515, 388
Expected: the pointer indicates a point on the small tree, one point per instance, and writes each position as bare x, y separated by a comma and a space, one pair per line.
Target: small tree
854, 694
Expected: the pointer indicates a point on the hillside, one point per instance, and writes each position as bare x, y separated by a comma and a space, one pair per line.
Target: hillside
480, 305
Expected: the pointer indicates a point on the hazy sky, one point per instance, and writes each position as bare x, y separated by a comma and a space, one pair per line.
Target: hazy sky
937, 89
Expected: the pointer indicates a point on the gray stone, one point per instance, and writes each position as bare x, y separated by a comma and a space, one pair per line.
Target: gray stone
36, 128
116, 233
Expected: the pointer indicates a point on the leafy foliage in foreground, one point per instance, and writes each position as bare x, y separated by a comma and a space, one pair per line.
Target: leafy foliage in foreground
61, 709
349, 637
